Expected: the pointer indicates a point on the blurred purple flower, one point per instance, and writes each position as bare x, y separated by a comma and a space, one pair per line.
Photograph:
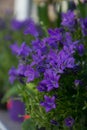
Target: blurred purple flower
21, 69
30, 73
24, 50
83, 23
69, 121
54, 38
16, 25
14, 47
54, 122
68, 19
42, 86
12, 75
51, 80
31, 29
80, 49
49, 103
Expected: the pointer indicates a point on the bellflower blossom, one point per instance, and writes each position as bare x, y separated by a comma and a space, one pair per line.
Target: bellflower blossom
30, 73
49, 103
80, 49
24, 50
16, 25
68, 19
14, 48
21, 69
12, 75
83, 23
31, 29
69, 121
51, 80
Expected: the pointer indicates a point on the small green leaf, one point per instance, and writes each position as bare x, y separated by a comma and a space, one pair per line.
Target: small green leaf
28, 125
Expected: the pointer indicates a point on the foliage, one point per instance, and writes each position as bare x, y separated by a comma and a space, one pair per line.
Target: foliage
53, 69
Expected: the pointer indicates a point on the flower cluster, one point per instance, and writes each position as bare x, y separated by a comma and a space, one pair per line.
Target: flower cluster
57, 63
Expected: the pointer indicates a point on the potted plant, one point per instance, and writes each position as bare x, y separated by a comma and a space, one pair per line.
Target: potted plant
53, 71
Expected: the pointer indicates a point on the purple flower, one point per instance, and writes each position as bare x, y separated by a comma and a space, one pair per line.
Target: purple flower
80, 49
49, 103
16, 25
31, 29
38, 57
54, 122
69, 121
54, 38
12, 75
21, 69
68, 19
51, 80
24, 50
38, 44
30, 73
42, 86
14, 47
84, 26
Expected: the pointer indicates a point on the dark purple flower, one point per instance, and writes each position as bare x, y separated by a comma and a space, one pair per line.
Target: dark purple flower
69, 121
84, 26
31, 29
12, 75
68, 19
80, 49
41, 68
49, 103
42, 86
53, 122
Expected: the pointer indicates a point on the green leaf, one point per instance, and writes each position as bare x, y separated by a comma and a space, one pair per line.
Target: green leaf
83, 9
28, 125
12, 91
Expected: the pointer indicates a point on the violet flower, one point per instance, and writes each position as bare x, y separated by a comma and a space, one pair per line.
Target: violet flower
80, 49
68, 19
54, 122
83, 23
30, 73
31, 29
14, 48
24, 50
12, 75
69, 121
49, 103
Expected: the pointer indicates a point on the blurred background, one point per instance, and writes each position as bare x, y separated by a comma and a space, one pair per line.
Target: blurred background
15, 16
